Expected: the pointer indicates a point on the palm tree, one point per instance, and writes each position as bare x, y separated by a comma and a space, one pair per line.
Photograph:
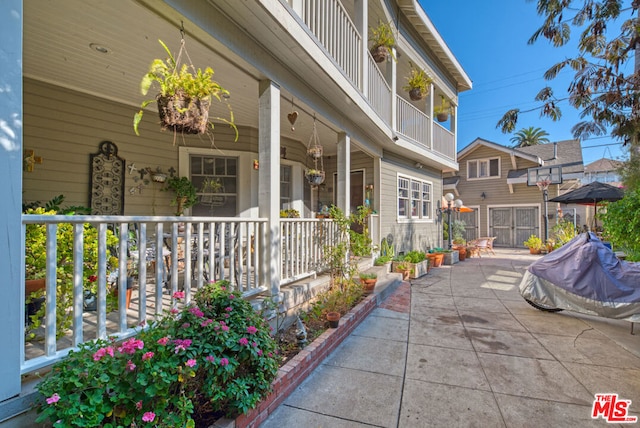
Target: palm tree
529, 137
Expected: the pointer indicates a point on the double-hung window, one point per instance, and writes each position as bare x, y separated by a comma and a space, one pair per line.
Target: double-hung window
414, 198
483, 168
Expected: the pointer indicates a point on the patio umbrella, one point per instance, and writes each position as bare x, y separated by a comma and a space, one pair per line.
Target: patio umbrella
591, 194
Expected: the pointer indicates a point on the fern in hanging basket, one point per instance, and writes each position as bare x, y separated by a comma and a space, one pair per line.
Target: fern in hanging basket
185, 95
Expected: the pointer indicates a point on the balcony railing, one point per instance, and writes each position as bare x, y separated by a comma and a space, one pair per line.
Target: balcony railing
303, 246
412, 123
329, 21
444, 141
157, 255
378, 91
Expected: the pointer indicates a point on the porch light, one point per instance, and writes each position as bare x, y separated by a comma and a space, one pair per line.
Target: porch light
451, 207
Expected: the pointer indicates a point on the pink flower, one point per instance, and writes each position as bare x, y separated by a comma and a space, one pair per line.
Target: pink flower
186, 325
260, 352
251, 330
225, 328
147, 356
210, 358
148, 417
163, 341
244, 341
206, 322
196, 311
191, 362
130, 346
177, 295
174, 311
231, 296
224, 362
130, 366
254, 344
139, 405
223, 288
228, 309
97, 356
182, 345
53, 399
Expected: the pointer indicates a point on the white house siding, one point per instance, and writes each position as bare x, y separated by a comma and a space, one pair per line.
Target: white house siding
408, 234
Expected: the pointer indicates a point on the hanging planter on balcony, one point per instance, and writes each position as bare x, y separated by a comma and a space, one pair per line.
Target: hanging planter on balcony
314, 176
185, 94
315, 152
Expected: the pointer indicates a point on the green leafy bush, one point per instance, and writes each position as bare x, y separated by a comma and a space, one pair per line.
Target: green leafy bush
216, 354
622, 224
414, 256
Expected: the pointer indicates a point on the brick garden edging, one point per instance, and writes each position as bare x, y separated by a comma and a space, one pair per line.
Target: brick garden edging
295, 371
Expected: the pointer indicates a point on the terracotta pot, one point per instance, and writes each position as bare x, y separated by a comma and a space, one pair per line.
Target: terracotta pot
334, 319
436, 259
534, 250
369, 285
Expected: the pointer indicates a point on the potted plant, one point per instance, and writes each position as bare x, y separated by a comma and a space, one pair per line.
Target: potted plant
185, 193
368, 280
436, 256
383, 261
534, 243
383, 40
404, 269
417, 84
184, 97
314, 176
334, 319
451, 257
442, 111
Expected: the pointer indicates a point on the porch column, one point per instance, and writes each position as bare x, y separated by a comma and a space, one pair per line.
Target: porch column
362, 25
269, 182
344, 177
12, 245
431, 114
454, 130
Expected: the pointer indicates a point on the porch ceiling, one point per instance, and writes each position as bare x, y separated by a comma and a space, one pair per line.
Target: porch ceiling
59, 48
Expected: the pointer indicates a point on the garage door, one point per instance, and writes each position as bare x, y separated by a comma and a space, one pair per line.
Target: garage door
513, 225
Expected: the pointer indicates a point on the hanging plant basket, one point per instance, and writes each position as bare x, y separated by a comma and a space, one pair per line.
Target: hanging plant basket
379, 53
183, 114
442, 117
315, 152
314, 177
415, 94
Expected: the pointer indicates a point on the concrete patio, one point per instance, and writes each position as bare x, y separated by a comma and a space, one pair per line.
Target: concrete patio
460, 347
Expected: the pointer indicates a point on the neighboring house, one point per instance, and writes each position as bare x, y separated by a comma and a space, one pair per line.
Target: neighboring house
603, 170
71, 79
493, 181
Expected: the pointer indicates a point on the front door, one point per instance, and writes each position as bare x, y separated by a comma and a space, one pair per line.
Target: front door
512, 225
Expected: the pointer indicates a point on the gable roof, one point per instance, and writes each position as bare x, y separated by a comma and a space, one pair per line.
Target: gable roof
603, 164
567, 154
480, 142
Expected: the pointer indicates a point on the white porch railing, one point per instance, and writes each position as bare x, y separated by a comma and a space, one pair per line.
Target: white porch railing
412, 123
329, 21
205, 249
303, 246
444, 141
378, 91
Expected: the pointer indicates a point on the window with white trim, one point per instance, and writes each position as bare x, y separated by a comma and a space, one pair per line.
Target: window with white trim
414, 198
483, 168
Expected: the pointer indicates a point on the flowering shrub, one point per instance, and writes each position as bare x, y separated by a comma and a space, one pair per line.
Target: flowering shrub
214, 355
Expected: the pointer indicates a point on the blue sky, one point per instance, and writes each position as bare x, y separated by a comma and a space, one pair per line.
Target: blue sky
489, 39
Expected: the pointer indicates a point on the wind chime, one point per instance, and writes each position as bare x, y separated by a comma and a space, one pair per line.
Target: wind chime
315, 175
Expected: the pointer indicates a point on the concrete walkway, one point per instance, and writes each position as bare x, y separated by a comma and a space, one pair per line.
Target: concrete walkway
460, 347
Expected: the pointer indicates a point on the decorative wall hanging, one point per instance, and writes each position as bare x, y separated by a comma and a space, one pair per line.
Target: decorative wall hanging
293, 116
107, 171
184, 94
315, 175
